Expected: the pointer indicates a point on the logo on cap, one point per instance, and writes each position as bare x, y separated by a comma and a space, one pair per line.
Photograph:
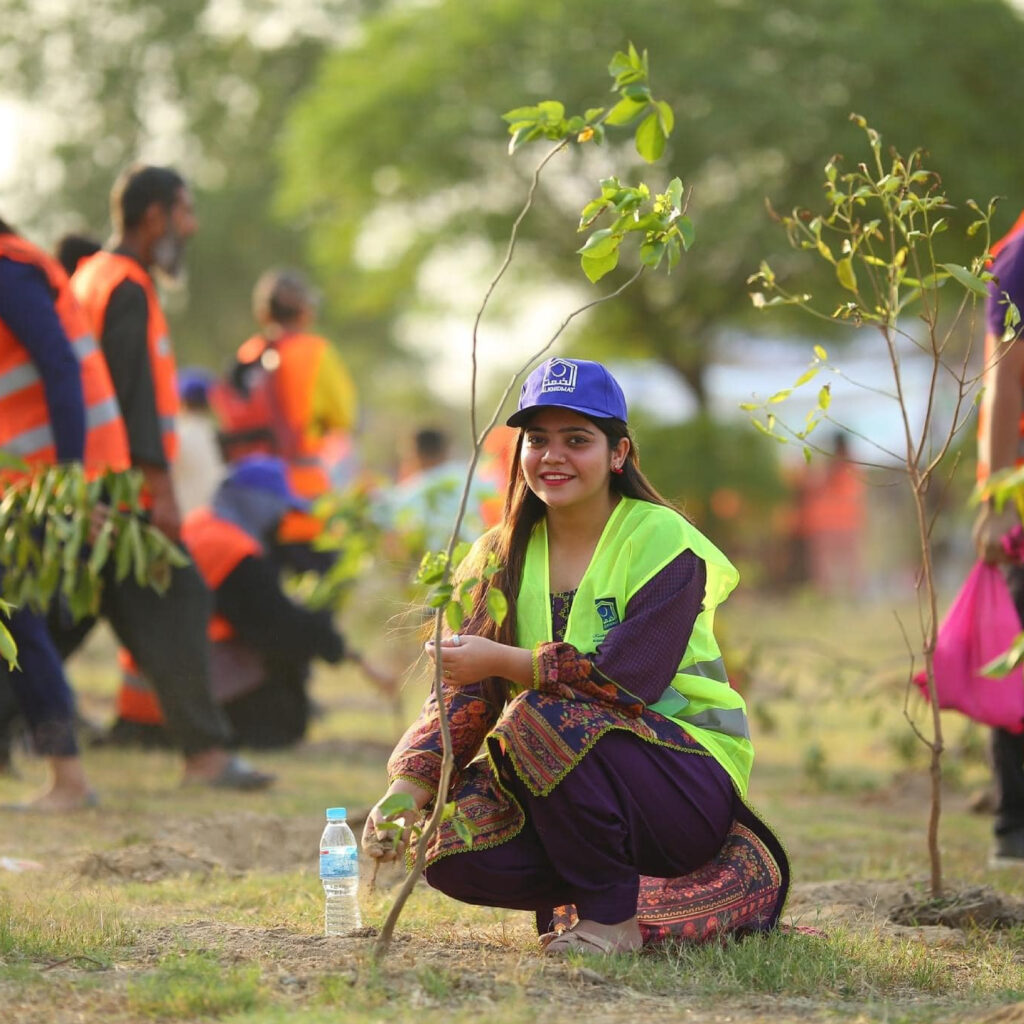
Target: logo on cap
560, 376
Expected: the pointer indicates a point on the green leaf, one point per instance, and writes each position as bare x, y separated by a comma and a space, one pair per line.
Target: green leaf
666, 117
845, 274
8, 648
521, 114
651, 253
806, 376
780, 396
820, 353
596, 267
396, 804
462, 830
966, 278
523, 135
100, 550
625, 111
825, 396
551, 110
686, 232
1007, 661
650, 139
497, 605
601, 243
453, 615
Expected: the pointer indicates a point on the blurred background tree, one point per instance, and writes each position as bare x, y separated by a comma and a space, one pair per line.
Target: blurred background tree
363, 139
390, 153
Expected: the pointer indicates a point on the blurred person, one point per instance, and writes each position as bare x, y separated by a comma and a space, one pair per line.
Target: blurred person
616, 753
199, 467
154, 217
832, 520
423, 504
71, 249
1000, 443
262, 642
57, 405
288, 392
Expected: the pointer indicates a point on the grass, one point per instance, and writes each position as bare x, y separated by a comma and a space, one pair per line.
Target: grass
185, 915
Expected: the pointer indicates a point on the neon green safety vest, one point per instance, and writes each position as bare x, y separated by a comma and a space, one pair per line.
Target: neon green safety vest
638, 541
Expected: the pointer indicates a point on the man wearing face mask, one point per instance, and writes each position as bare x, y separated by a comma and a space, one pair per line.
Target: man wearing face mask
153, 218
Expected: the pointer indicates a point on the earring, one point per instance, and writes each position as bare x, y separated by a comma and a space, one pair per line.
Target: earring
616, 469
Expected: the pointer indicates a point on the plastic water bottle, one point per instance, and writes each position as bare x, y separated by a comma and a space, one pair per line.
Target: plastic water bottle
339, 872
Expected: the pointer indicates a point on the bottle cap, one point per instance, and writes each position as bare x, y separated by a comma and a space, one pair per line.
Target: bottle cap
336, 814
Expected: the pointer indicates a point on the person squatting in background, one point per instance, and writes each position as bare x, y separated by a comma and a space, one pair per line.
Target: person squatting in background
617, 756
154, 217
262, 642
57, 405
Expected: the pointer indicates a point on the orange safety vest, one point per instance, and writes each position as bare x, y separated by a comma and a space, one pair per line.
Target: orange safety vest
216, 547
283, 408
24, 417
94, 282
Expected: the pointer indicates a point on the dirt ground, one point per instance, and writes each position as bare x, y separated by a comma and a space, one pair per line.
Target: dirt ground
479, 962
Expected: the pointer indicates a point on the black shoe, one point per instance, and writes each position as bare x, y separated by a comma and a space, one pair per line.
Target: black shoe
1009, 850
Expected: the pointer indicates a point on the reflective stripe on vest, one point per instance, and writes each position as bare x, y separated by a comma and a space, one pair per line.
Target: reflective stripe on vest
24, 414
638, 541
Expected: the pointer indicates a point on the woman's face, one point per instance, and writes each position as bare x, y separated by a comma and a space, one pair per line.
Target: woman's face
566, 459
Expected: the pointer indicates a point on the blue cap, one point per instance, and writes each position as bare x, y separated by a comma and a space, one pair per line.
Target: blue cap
265, 473
577, 384
194, 383
336, 814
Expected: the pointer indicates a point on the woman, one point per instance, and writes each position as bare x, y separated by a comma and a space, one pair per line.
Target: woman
617, 755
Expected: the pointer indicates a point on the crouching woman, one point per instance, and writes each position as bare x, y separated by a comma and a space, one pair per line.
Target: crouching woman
608, 797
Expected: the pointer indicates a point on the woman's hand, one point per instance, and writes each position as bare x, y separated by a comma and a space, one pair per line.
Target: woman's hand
387, 844
468, 659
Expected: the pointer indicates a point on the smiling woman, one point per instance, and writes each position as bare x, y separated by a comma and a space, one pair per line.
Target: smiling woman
590, 701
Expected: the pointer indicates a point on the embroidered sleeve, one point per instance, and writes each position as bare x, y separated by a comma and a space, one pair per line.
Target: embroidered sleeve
639, 656
417, 757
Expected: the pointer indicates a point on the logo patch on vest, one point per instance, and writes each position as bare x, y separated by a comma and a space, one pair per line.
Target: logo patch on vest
607, 612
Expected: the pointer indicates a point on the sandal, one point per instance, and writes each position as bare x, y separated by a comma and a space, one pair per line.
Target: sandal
583, 941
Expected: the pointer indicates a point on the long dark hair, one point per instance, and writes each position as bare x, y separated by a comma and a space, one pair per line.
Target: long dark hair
509, 539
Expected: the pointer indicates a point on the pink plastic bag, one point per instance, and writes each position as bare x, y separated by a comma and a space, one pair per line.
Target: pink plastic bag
981, 624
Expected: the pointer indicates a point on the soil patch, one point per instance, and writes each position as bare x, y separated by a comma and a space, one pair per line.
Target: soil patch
234, 843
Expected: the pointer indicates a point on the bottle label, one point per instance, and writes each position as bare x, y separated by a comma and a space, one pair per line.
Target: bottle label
339, 862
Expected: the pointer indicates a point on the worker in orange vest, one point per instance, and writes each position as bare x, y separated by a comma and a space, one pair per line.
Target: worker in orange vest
57, 404
262, 642
289, 393
154, 218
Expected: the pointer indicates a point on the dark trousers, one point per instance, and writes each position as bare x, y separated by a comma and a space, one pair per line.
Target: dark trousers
1007, 748
629, 808
39, 686
166, 635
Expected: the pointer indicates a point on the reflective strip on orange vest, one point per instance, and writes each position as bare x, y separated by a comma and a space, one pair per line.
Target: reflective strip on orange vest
24, 417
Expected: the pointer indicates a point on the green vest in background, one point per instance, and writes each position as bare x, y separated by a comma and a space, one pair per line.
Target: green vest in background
638, 541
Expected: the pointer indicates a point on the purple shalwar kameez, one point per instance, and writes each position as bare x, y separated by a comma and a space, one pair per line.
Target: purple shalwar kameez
584, 802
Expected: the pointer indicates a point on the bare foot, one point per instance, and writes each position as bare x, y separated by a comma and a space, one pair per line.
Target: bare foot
224, 770
60, 801
206, 766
